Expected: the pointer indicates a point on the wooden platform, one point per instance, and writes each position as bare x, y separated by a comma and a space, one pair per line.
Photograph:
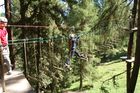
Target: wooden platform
16, 83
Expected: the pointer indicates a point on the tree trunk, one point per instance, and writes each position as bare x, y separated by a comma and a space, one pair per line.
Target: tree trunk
10, 32
137, 59
130, 43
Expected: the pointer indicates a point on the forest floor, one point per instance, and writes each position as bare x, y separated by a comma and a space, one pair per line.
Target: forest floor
106, 73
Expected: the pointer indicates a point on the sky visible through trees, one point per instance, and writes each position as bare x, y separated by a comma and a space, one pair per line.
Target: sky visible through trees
98, 2
2, 10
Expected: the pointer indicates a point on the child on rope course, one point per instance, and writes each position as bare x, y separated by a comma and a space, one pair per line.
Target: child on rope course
4, 43
73, 40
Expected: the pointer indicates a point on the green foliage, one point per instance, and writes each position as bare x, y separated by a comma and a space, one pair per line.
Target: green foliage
2, 14
103, 82
80, 17
101, 38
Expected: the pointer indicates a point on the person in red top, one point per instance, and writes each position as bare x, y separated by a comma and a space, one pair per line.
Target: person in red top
4, 43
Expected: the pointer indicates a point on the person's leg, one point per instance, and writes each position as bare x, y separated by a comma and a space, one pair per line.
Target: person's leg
6, 58
77, 53
8, 62
67, 61
72, 53
67, 64
82, 56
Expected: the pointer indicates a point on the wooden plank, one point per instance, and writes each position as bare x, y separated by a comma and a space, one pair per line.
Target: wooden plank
16, 83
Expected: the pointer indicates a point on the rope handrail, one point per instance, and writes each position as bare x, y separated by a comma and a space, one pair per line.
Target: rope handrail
22, 40
29, 42
29, 26
34, 40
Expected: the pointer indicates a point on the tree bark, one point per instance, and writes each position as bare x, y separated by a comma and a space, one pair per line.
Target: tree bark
10, 32
130, 43
133, 79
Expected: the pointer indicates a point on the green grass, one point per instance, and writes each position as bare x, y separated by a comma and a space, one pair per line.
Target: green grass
104, 72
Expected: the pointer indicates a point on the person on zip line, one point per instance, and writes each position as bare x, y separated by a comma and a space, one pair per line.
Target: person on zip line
4, 43
73, 41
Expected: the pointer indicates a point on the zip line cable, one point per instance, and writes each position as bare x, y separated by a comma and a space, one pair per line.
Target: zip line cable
53, 37
42, 39
44, 26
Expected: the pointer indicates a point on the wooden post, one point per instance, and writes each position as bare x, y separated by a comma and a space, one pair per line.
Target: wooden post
25, 58
10, 32
2, 70
135, 72
38, 60
35, 59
